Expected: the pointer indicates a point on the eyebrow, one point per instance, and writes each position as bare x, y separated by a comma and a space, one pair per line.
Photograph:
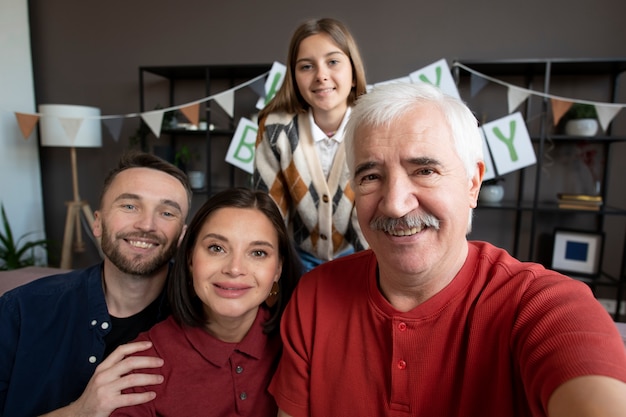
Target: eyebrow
225, 239
420, 161
364, 167
131, 196
338, 52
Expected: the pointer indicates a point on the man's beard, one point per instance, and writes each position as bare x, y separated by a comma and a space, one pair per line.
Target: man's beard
138, 265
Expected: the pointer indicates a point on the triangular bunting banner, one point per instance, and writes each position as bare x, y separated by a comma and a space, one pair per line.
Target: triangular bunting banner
559, 108
477, 84
438, 74
192, 113
509, 143
114, 126
606, 113
154, 119
516, 97
258, 87
272, 83
226, 100
26, 123
71, 125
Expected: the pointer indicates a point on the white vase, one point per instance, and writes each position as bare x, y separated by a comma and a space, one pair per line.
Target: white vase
581, 127
491, 193
196, 178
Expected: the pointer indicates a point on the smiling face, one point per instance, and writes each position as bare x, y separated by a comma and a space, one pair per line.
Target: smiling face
234, 262
141, 218
323, 74
413, 195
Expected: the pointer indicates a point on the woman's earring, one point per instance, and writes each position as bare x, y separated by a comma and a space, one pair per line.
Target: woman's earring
272, 297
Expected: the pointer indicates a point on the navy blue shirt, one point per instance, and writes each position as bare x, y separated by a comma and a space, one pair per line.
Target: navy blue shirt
51, 340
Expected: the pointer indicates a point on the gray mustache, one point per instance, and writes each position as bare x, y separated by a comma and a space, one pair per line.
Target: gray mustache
387, 224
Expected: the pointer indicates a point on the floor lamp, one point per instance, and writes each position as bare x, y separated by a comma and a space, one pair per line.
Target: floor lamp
72, 127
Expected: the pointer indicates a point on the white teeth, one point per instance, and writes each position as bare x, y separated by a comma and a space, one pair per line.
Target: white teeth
143, 245
408, 232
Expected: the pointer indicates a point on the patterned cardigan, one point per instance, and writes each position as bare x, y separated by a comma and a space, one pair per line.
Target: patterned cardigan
320, 215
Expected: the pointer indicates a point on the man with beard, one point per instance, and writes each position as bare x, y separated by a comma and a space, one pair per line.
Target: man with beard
64, 339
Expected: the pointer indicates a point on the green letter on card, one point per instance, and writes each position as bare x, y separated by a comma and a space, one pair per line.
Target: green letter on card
508, 141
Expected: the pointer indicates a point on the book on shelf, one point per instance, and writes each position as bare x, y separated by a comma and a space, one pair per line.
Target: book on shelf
579, 201
578, 206
579, 198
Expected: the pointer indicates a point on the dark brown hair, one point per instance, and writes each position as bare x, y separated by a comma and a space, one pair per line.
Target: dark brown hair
135, 159
186, 307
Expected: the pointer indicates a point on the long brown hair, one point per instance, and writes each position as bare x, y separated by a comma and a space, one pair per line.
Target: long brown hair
288, 99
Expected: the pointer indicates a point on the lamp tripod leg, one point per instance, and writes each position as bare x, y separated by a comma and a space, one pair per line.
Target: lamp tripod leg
70, 223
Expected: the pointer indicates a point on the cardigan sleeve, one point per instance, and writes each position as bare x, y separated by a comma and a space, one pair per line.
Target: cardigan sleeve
268, 175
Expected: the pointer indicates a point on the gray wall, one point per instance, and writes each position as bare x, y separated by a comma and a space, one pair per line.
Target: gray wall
88, 53
20, 187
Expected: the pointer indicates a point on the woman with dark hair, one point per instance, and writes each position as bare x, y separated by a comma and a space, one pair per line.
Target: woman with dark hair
234, 273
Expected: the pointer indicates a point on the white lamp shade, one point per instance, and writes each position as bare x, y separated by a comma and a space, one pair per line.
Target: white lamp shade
70, 126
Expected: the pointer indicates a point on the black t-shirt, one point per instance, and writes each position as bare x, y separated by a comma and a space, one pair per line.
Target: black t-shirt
127, 329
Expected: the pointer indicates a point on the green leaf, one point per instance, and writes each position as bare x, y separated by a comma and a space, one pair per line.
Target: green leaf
14, 255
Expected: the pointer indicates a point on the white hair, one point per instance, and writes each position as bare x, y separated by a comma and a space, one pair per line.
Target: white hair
389, 102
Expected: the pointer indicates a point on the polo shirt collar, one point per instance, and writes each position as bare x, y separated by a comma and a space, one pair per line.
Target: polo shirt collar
319, 135
218, 352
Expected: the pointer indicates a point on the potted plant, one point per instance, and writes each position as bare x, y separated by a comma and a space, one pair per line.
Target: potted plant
16, 254
184, 159
581, 120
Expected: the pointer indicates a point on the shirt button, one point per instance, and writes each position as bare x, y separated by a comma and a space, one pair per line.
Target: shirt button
243, 396
239, 369
94, 322
323, 237
402, 326
92, 359
401, 364
325, 198
104, 325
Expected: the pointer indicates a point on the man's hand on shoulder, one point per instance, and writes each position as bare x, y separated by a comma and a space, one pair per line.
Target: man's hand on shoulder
103, 393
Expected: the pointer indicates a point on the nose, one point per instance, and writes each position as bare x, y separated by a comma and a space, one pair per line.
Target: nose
235, 265
398, 197
146, 222
321, 74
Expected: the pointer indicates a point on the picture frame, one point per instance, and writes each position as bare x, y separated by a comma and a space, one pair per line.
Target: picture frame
577, 252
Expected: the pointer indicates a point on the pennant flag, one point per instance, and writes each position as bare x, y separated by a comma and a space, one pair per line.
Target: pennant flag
154, 119
226, 100
439, 75
477, 84
258, 87
490, 171
606, 113
509, 143
114, 126
272, 84
406, 80
192, 113
559, 108
241, 149
515, 97
26, 123
71, 125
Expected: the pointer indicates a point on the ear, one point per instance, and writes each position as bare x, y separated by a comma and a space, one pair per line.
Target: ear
475, 182
279, 271
96, 227
182, 235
